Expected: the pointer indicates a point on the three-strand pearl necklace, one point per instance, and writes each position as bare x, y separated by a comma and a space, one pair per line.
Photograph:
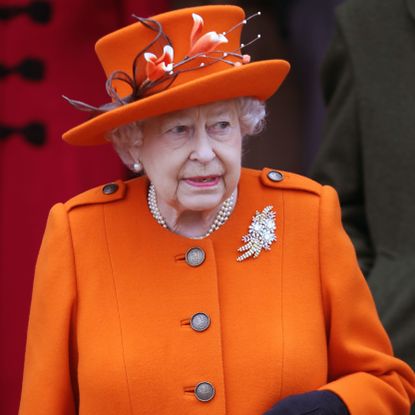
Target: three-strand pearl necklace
221, 217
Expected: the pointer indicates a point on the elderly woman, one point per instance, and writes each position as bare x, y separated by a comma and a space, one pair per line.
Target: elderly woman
200, 287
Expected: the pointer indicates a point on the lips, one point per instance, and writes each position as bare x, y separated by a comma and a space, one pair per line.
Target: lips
202, 181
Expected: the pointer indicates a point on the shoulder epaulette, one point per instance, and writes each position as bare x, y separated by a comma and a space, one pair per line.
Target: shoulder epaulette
279, 179
101, 194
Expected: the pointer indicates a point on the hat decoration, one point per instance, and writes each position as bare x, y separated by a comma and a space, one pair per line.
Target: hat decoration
161, 71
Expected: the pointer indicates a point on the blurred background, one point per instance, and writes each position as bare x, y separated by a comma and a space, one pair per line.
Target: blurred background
46, 50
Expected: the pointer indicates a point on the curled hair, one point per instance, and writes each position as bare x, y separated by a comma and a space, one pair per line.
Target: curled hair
252, 114
128, 138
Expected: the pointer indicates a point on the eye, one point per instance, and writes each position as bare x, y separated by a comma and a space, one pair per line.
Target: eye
179, 129
220, 127
223, 125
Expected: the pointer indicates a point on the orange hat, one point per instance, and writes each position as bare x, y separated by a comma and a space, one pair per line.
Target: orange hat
175, 60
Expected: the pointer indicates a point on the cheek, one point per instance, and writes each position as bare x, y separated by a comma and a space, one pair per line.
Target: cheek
158, 160
163, 168
233, 153
231, 158
233, 173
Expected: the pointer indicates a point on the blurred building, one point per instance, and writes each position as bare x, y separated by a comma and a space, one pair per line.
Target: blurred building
46, 51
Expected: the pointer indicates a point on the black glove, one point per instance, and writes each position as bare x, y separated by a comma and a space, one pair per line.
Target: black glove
313, 403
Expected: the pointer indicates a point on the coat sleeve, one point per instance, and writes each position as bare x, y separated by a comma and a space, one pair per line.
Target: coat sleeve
362, 369
48, 380
338, 162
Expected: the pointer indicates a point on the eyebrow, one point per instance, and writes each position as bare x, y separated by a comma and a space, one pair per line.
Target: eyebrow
176, 115
182, 115
220, 110
175, 119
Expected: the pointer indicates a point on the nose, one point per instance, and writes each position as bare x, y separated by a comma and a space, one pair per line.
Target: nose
202, 150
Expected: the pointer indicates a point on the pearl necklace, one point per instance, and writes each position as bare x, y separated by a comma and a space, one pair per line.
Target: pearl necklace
222, 216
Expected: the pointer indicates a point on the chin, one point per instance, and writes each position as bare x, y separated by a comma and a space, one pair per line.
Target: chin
202, 202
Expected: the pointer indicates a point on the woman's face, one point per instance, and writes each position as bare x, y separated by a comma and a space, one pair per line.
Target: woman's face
193, 157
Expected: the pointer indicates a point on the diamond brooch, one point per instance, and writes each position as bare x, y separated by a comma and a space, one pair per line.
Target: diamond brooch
261, 234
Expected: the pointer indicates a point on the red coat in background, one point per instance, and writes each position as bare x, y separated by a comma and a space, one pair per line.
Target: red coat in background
46, 51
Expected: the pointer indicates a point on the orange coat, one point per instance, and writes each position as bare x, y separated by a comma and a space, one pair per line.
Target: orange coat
109, 327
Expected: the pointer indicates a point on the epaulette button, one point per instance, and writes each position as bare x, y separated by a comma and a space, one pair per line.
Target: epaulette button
110, 188
275, 176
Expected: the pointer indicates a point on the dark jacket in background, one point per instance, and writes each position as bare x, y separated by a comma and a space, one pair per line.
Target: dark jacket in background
368, 153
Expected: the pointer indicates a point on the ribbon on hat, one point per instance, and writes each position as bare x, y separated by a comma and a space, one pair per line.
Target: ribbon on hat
31, 69
39, 11
34, 133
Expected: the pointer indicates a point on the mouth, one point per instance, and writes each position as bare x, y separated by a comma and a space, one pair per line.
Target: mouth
202, 181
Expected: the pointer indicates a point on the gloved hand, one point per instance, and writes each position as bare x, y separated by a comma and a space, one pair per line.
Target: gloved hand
313, 403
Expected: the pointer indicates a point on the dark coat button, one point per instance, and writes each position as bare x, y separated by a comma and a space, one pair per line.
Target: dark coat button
275, 176
110, 188
204, 391
39, 11
195, 256
200, 322
31, 69
34, 132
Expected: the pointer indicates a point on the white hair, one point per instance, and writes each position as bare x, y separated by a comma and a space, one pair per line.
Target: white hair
128, 138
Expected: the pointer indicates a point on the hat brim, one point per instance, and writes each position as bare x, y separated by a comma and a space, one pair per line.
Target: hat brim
257, 79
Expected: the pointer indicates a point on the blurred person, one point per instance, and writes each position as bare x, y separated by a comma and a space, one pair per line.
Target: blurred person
368, 151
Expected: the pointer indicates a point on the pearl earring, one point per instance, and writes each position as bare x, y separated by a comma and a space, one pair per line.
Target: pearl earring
136, 167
